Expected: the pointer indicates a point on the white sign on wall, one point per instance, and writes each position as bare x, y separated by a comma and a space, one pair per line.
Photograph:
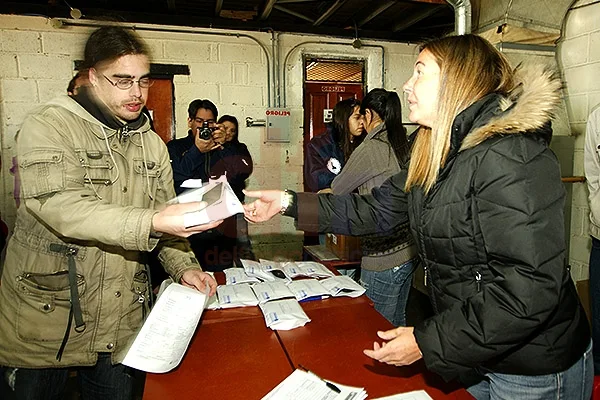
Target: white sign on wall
278, 124
328, 115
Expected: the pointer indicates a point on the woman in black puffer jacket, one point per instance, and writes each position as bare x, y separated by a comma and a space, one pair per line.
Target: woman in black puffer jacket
485, 201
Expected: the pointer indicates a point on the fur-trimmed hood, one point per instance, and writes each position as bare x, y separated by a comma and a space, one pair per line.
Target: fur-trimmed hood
528, 108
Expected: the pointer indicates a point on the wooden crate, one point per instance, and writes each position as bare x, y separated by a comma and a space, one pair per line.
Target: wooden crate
345, 247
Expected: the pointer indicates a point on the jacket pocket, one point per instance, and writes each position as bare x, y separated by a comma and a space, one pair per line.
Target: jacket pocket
98, 165
44, 306
42, 171
148, 172
139, 302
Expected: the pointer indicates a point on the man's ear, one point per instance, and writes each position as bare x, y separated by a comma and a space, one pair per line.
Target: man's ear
92, 77
189, 123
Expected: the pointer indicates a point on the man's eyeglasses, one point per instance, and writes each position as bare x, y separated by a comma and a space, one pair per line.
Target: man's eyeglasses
127, 83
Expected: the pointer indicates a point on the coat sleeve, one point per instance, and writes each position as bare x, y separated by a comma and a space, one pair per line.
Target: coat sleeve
174, 253
369, 160
316, 174
53, 190
518, 205
185, 164
591, 162
351, 214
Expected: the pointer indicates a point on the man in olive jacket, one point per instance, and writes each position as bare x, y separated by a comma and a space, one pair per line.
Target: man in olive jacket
74, 287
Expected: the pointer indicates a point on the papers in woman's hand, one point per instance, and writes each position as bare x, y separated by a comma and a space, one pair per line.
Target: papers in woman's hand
302, 385
220, 198
284, 314
166, 334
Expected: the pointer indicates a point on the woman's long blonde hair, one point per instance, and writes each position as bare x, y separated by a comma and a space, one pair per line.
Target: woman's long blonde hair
470, 68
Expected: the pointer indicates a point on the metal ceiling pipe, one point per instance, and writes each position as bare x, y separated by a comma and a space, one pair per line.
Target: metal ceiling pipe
462, 16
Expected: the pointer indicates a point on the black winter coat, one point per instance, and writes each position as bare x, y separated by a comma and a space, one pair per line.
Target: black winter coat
490, 234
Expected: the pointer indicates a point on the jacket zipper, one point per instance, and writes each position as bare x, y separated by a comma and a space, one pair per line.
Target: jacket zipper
478, 280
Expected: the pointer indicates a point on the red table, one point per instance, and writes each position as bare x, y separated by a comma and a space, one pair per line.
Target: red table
233, 355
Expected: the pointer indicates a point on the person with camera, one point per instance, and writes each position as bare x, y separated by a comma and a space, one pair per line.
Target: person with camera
94, 180
209, 152
191, 155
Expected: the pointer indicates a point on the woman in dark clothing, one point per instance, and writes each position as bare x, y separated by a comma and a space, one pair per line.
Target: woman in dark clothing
485, 201
326, 154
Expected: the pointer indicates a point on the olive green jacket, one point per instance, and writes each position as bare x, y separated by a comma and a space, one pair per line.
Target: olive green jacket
89, 191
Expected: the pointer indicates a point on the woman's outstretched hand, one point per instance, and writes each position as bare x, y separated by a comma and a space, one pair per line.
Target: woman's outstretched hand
266, 205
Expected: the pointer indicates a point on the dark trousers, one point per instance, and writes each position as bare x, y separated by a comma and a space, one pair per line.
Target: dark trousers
595, 300
99, 382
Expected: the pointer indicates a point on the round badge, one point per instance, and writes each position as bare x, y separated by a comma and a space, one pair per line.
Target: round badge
334, 165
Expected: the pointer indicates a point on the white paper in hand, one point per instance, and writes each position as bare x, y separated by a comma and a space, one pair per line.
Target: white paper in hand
220, 198
166, 334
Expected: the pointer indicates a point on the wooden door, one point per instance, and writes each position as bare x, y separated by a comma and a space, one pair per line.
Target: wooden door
319, 97
160, 104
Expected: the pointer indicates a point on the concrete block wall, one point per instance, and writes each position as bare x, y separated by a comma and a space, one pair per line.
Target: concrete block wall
36, 63
579, 59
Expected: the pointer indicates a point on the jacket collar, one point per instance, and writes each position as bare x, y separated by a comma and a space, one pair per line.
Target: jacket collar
528, 109
74, 107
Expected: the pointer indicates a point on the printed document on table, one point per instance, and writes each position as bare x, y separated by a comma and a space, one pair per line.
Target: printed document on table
166, 334
416, 395
302, 385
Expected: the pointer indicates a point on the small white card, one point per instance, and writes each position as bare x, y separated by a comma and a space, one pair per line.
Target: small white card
231, 296
268, 291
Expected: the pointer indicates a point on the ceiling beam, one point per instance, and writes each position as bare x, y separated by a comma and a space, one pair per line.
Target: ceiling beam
296, 1
427, 1
266, 11
294, 13
327, 14
218, 7
171, 5
415, 17
375, 13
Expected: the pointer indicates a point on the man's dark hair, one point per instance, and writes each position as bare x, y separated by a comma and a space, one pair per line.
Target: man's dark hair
111, 42
202, 103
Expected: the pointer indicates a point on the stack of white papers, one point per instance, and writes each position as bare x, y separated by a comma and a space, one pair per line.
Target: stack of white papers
415, 395
166, 333
284, 314
220, 198
308, 289
265, 271
233, 276
231, 296
269, 291
302, 385
311, 269
343, 285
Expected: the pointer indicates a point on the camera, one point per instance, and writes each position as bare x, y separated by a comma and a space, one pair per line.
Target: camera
206, 131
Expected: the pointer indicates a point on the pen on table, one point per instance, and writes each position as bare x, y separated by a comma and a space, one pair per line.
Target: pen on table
328, 384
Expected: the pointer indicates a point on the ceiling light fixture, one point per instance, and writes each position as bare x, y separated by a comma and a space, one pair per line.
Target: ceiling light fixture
75, 12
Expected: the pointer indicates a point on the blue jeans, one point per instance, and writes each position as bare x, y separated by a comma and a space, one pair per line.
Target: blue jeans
388, 290
573, 384
595, 300
99, 382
